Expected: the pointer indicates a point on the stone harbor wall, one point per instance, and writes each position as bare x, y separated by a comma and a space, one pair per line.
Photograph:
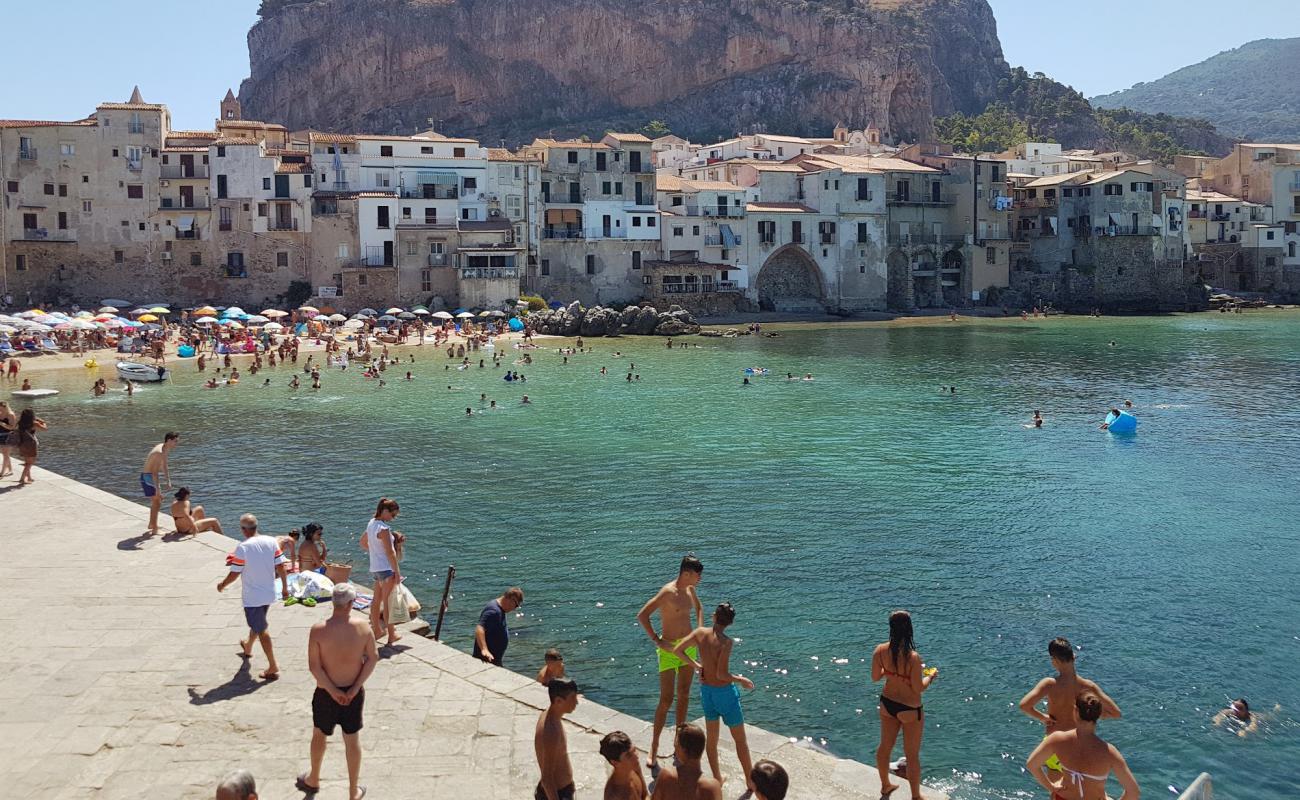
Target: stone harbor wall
1122, 276
574, 320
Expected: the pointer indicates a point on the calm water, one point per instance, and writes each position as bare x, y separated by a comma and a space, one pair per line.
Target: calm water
817, 508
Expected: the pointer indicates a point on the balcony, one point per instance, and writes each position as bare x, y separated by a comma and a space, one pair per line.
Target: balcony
489, 273
420, 193
415, 224
225, 225
995, 233
909, 239
173, 203
438, 260
1196, 215
561, 233
727, 286
340, 186
182, 171
135, 127
952, 241
724, 212
46, 235
1220, 217
941, 199
374, 261
612, 233
27, 153
282, 224
134, 166
715, 240
1037, 202
187, 235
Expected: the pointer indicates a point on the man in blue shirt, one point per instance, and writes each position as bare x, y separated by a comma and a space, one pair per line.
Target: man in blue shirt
492, 635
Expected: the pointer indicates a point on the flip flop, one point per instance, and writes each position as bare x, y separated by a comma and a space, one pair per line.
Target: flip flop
310, 602
288, 601
363, 793
301, 785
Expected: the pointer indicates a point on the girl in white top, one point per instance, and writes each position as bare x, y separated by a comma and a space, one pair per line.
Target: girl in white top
380, 543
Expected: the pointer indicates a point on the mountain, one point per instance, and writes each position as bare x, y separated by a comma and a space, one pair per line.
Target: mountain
707, 68
1251, 92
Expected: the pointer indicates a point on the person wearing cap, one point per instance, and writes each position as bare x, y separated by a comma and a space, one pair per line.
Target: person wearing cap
341, 654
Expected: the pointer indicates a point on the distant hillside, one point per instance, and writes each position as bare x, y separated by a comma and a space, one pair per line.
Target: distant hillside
1037, 108
1251, 92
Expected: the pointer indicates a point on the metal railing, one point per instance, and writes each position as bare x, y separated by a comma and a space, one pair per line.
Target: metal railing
374, 261
134, 166
340, 186
489, 273
46, 235
135, 127
273, 224
724, 212
27, 153
427, 224
200, 203
1220, 217
1196, 214
554, 233
612, 233
1200, 789
191, 234
178, 171
437, 260
942, 199
420, 194
715, 240
912, 238
225, 226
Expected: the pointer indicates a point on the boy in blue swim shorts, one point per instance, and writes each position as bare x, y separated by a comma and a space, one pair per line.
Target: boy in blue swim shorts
719, 696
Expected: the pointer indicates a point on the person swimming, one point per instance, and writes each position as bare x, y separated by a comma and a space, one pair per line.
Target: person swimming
1111, 417
1238, 711
1037, 421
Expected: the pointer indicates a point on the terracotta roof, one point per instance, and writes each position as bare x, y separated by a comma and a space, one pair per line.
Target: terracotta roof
502, 154
249, 123
131, 106
191, 134
235, 140
573, 144
765, 167
795, 139
419, 137
793, 208
495, 225
331, 138
185, 149
40, 123
286, 151
672, 183
377, 194
1057, 180
717, 186
1211, 196
292, 169
629, 137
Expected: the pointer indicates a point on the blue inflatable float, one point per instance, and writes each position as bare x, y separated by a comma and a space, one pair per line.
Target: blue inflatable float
515, 324
185, 351
1125, 423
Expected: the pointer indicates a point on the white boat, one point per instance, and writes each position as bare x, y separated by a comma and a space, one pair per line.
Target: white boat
35, 392
144, 373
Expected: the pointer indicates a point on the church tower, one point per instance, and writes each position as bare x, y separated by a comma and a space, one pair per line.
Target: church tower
230, 109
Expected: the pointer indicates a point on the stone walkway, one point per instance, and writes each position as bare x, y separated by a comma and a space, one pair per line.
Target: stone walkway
121, 679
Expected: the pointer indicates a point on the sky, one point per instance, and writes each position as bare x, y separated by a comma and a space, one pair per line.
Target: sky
186, 53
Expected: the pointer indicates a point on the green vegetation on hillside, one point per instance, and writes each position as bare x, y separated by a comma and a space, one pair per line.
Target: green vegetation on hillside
1037, 108
1250, 92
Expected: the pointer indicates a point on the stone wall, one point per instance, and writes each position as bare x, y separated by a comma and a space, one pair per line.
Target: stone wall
373, 287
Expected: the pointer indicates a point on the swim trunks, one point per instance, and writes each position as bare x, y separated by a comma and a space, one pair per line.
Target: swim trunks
146, 484
669, 662
565, 793
722, 701
325, 713
255, 616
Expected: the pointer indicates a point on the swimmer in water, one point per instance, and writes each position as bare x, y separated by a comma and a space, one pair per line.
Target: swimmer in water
293, 384
1037, 421
408, 376
1128, 405
267, 383
790, 376
746, 382
1106, 425
526, 401
807, 376
469, 412
492, 405
1238, 711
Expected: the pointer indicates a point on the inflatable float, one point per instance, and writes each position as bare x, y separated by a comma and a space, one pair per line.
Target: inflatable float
756, 370
90, 363
185, 351
1123, 424
134, 371
34, 393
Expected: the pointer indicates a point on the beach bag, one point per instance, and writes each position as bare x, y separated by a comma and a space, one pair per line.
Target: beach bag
402, 605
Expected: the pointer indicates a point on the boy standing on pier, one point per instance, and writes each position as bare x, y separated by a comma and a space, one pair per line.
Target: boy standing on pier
1061, 692
152, 474
551, 745
675, 602
718, 694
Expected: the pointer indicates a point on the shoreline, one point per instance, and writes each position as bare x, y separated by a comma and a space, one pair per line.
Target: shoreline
469, 724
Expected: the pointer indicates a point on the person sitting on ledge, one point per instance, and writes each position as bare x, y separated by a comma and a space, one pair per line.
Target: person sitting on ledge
191, 520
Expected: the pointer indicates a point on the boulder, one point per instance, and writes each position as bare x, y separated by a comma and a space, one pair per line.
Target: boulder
647, 319
672, 326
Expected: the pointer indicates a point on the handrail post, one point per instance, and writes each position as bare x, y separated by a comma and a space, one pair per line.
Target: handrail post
442, 607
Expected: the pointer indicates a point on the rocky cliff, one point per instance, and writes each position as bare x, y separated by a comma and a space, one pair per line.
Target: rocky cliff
707, 68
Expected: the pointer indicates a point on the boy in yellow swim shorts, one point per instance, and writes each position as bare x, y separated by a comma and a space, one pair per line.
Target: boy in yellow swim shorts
675, 603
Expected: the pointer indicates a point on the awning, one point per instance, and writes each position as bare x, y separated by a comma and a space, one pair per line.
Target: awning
440, 178
728, 238
185, 223
563, 215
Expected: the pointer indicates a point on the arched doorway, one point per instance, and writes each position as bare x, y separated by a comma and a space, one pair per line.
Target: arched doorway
790, 281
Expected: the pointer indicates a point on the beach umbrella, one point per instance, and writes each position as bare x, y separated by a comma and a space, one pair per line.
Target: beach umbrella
419, 312
108, 310
464, 315
354, 324
496, 313
159, 310
272, 327
406, 315
39, 328
137, 312
485, 313
234, 311
256, 319
274, 313
112, 323
442, 315
29, 314
206, 321
103, 317
234, 325
114, 301
393, 310
388, 318
147, 318
206, 311
337, 318
368, 312
82, 325
63, 326
83, 315
309, 309
6, 328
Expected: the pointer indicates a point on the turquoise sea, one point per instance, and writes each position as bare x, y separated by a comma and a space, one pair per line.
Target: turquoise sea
1169, 558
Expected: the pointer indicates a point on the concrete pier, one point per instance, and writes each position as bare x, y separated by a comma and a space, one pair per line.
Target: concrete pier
121, 679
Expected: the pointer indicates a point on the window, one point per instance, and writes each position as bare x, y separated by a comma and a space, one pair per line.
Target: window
381, 216
990, 255
862, 268
30, 223
636, 222
385, 149
864, 189
261, 209
827, 231
695, 229
591, 265
67, 149
266, 184
796, 231
679, 230
605, 186
11, 186
114, 152
862, 233
235, 265
118, 256
141, 226
134, 191
412, 248
20, 263
306, 179
427, 151
1113, 190
361, 280
766, 231
437, 248
678, 200
63, 190
343, 251
458, 152
650, 222
430, 215
601, 163
514, 206
221, 187
49, 188
426, 280
406, 212
282, 258
221, 151
196, 259
618, 188
85, 206
573, 156
997, 172
636, 259
546, 266
1270, 261
471, 184
63, 221
1270, 236
1067, 192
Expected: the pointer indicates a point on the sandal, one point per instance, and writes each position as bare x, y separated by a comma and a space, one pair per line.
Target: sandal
310, 602
288, 601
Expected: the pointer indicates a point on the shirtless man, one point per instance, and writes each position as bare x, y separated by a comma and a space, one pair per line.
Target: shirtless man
1060, 693
718, 694
626, 782
1084, 758
191, 520
155, 465
675, 602
686, 781
341, 653
551, 745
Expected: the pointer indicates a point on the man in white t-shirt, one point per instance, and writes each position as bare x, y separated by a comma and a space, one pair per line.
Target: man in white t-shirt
259, 562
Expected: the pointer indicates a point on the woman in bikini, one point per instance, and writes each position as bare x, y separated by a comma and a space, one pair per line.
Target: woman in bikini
8, 422
191, 520
900, 700
312, 552
1086, 761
